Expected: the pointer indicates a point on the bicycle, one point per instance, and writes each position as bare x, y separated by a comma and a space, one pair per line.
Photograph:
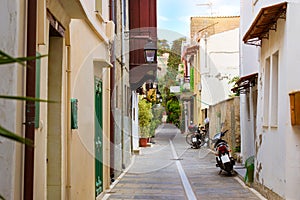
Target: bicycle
188, 138
196, 137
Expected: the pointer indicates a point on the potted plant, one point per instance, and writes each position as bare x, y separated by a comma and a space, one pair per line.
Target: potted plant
145, 116
144, 136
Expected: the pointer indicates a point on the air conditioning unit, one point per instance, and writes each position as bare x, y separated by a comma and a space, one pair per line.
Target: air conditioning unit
110, 30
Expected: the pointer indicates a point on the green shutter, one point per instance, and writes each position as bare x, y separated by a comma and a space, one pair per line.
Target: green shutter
74, 110
37, 91
98, 137
192, 79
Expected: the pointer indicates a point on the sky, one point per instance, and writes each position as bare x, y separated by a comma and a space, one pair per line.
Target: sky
174, 16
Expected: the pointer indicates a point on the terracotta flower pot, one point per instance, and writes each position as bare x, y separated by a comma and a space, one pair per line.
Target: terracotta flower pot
143, 142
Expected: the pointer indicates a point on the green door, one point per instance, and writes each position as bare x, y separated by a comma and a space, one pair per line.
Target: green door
98, 137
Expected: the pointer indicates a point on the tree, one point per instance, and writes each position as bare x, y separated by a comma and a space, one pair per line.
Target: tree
176, 46
170, 101
163, 45
173, 110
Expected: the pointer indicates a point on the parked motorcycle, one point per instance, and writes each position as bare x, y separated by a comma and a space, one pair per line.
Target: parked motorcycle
224, 160
195, 137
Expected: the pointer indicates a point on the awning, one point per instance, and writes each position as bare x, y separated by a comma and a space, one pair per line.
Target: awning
265, 21
192, 50
138, 75
245, 82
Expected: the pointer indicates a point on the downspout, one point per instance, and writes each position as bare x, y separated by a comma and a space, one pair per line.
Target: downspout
122, 83
30, 105
112, 90
69, 131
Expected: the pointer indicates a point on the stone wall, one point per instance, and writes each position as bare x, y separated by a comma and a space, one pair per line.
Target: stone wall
212, 25
226, 116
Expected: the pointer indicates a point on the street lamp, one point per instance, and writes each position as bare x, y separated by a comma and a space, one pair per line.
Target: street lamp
150, 51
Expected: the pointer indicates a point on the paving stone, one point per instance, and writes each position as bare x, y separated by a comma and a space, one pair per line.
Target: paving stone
154, 173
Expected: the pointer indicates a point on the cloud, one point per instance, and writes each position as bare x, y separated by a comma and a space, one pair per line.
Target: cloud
226, 10
163, 18
185, 19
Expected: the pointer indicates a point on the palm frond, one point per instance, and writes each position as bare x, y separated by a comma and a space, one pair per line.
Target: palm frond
25, 98
10, 135
7, 59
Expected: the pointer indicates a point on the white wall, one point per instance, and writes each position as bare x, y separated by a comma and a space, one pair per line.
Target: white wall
135, 121
249, 64
10, 111
290, 76
280, 145
219, 61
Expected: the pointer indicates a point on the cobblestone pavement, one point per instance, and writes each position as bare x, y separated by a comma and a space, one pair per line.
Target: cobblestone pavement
170, 169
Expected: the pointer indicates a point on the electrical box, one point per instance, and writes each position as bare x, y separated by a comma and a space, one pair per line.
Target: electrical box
74, 111
295, 107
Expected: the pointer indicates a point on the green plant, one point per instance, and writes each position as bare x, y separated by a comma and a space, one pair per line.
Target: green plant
173, 110
157, 111
234, 81
145, 116
7, 59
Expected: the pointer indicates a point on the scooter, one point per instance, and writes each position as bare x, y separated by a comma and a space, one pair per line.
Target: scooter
224, 160
194, 137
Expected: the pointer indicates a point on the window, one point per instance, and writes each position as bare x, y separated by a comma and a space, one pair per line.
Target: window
248, 106
266, 94
274, 90
270, 116
125, 100
129, 101
37, 91
117, 97
124, 13
98, 6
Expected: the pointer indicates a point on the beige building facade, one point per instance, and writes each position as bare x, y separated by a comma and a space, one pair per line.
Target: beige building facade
204, 26
72, 140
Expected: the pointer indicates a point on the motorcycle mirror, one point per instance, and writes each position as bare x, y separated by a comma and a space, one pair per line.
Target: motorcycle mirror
223, 133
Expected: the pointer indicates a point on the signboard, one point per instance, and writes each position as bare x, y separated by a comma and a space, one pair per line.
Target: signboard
175, 89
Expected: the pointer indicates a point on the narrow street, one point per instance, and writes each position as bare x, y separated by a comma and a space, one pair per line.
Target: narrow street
170, 169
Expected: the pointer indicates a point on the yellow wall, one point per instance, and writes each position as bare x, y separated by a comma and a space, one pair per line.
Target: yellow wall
83, 42
85, 50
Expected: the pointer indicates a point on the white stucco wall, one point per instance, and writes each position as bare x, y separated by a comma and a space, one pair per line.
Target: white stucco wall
280, 145
249, 64
290, 76
219, 61
135, 121
11, 83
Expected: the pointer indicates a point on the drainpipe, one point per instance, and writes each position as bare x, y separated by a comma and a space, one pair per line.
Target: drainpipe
112, 84
69, 131
30, 105
123, 91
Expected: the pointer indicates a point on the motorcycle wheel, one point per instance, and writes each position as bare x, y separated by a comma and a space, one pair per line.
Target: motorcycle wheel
196, 145
188, 138
228, 168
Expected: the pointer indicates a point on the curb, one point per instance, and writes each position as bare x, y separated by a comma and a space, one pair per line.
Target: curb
106, 192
